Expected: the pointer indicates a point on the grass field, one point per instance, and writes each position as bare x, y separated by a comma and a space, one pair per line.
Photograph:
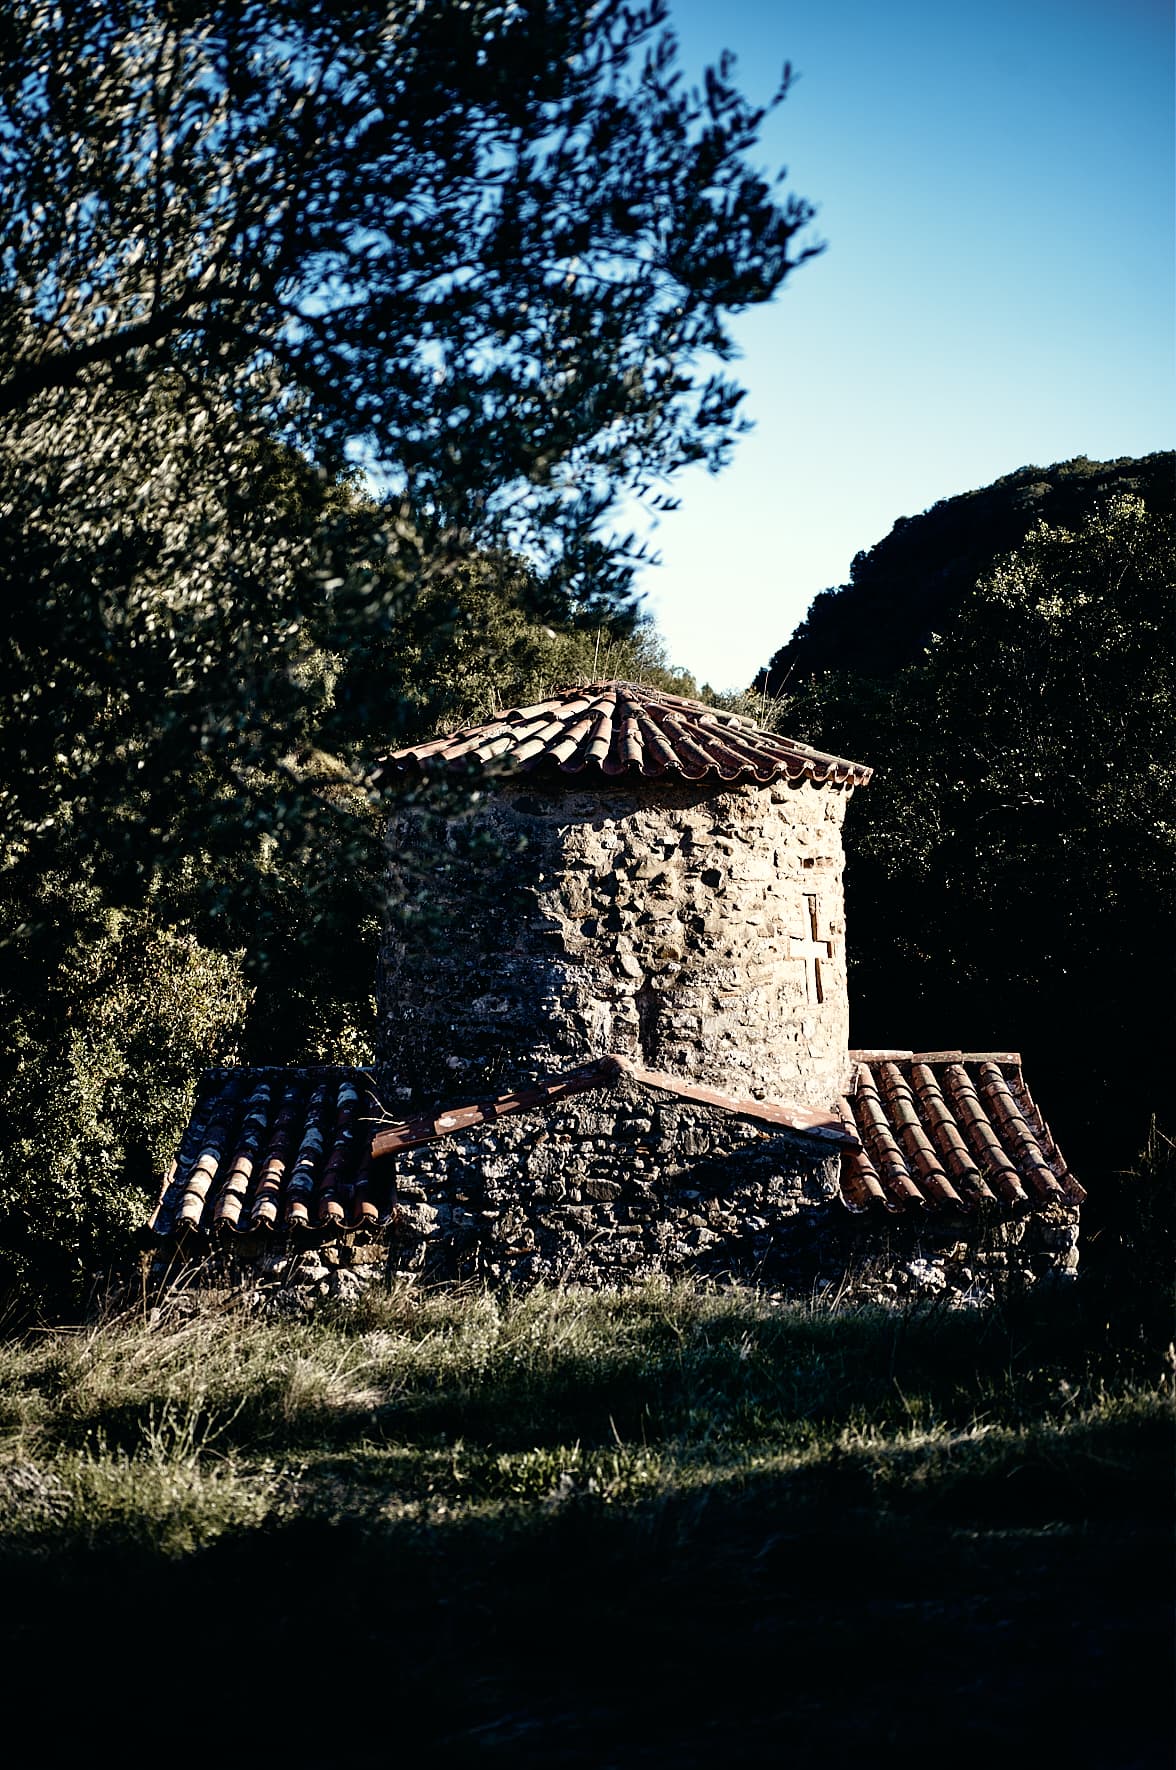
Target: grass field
655, 1528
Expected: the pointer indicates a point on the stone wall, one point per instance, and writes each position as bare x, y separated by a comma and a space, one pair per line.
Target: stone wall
699, 931
609, 1186
617, 1185
953, 1259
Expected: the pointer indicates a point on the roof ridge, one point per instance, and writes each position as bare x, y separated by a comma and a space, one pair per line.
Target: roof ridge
427, 1127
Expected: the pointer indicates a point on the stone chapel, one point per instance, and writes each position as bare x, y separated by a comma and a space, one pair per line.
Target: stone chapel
614, 1040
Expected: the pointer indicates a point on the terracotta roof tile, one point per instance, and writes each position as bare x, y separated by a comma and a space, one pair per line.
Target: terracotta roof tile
270, 1150
949, 1130
625, 728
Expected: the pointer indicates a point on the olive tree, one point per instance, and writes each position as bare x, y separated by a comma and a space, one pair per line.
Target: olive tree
301, 306
486, 249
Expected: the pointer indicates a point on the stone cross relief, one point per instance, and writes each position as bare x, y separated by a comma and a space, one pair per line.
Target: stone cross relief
812, 950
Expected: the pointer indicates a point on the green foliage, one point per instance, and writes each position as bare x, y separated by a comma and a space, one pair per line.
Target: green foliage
101, 1051
438, 661
468, 1404
487, 252
1011, 864
912, 584
482, 636
491, 246
173, 1495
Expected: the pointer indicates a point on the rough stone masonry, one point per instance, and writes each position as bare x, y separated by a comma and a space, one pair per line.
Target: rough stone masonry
616, 1183
701, 932
614, 1040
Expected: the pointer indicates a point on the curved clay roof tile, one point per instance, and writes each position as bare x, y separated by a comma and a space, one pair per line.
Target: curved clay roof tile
625, 728
914, 1134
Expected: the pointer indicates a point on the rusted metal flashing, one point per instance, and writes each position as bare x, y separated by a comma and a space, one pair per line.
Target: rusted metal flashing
606, 1073
428, 1127
824, 1126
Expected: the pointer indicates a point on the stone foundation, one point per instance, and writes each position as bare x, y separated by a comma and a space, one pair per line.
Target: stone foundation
698, 931
958, 1260
608, 1186
788, 1242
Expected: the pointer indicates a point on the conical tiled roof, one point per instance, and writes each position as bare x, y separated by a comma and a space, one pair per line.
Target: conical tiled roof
625, 728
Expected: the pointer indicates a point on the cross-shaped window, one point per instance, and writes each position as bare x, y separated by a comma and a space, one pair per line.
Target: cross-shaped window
812, 950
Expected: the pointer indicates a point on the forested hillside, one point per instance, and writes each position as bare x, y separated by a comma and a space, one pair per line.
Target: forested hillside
1011, 865
910, 585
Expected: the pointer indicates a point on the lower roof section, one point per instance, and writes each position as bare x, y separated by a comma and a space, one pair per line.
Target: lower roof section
274, 1150
311, 1151
949, 1131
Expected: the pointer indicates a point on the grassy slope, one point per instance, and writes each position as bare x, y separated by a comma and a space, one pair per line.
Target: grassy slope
663, 1528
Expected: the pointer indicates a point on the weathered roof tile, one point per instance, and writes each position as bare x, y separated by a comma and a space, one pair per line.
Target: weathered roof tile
949, 1130
626, 728
271, 1150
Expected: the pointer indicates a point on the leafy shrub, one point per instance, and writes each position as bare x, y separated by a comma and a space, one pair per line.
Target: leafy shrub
98, 1086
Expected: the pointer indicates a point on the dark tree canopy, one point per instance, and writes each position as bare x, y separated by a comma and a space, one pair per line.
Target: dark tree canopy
912, 583
1010, 869
486, 251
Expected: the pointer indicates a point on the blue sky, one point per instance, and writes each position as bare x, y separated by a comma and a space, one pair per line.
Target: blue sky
995, 187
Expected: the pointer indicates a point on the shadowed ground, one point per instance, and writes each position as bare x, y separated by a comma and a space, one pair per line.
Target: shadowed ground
666, 1529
